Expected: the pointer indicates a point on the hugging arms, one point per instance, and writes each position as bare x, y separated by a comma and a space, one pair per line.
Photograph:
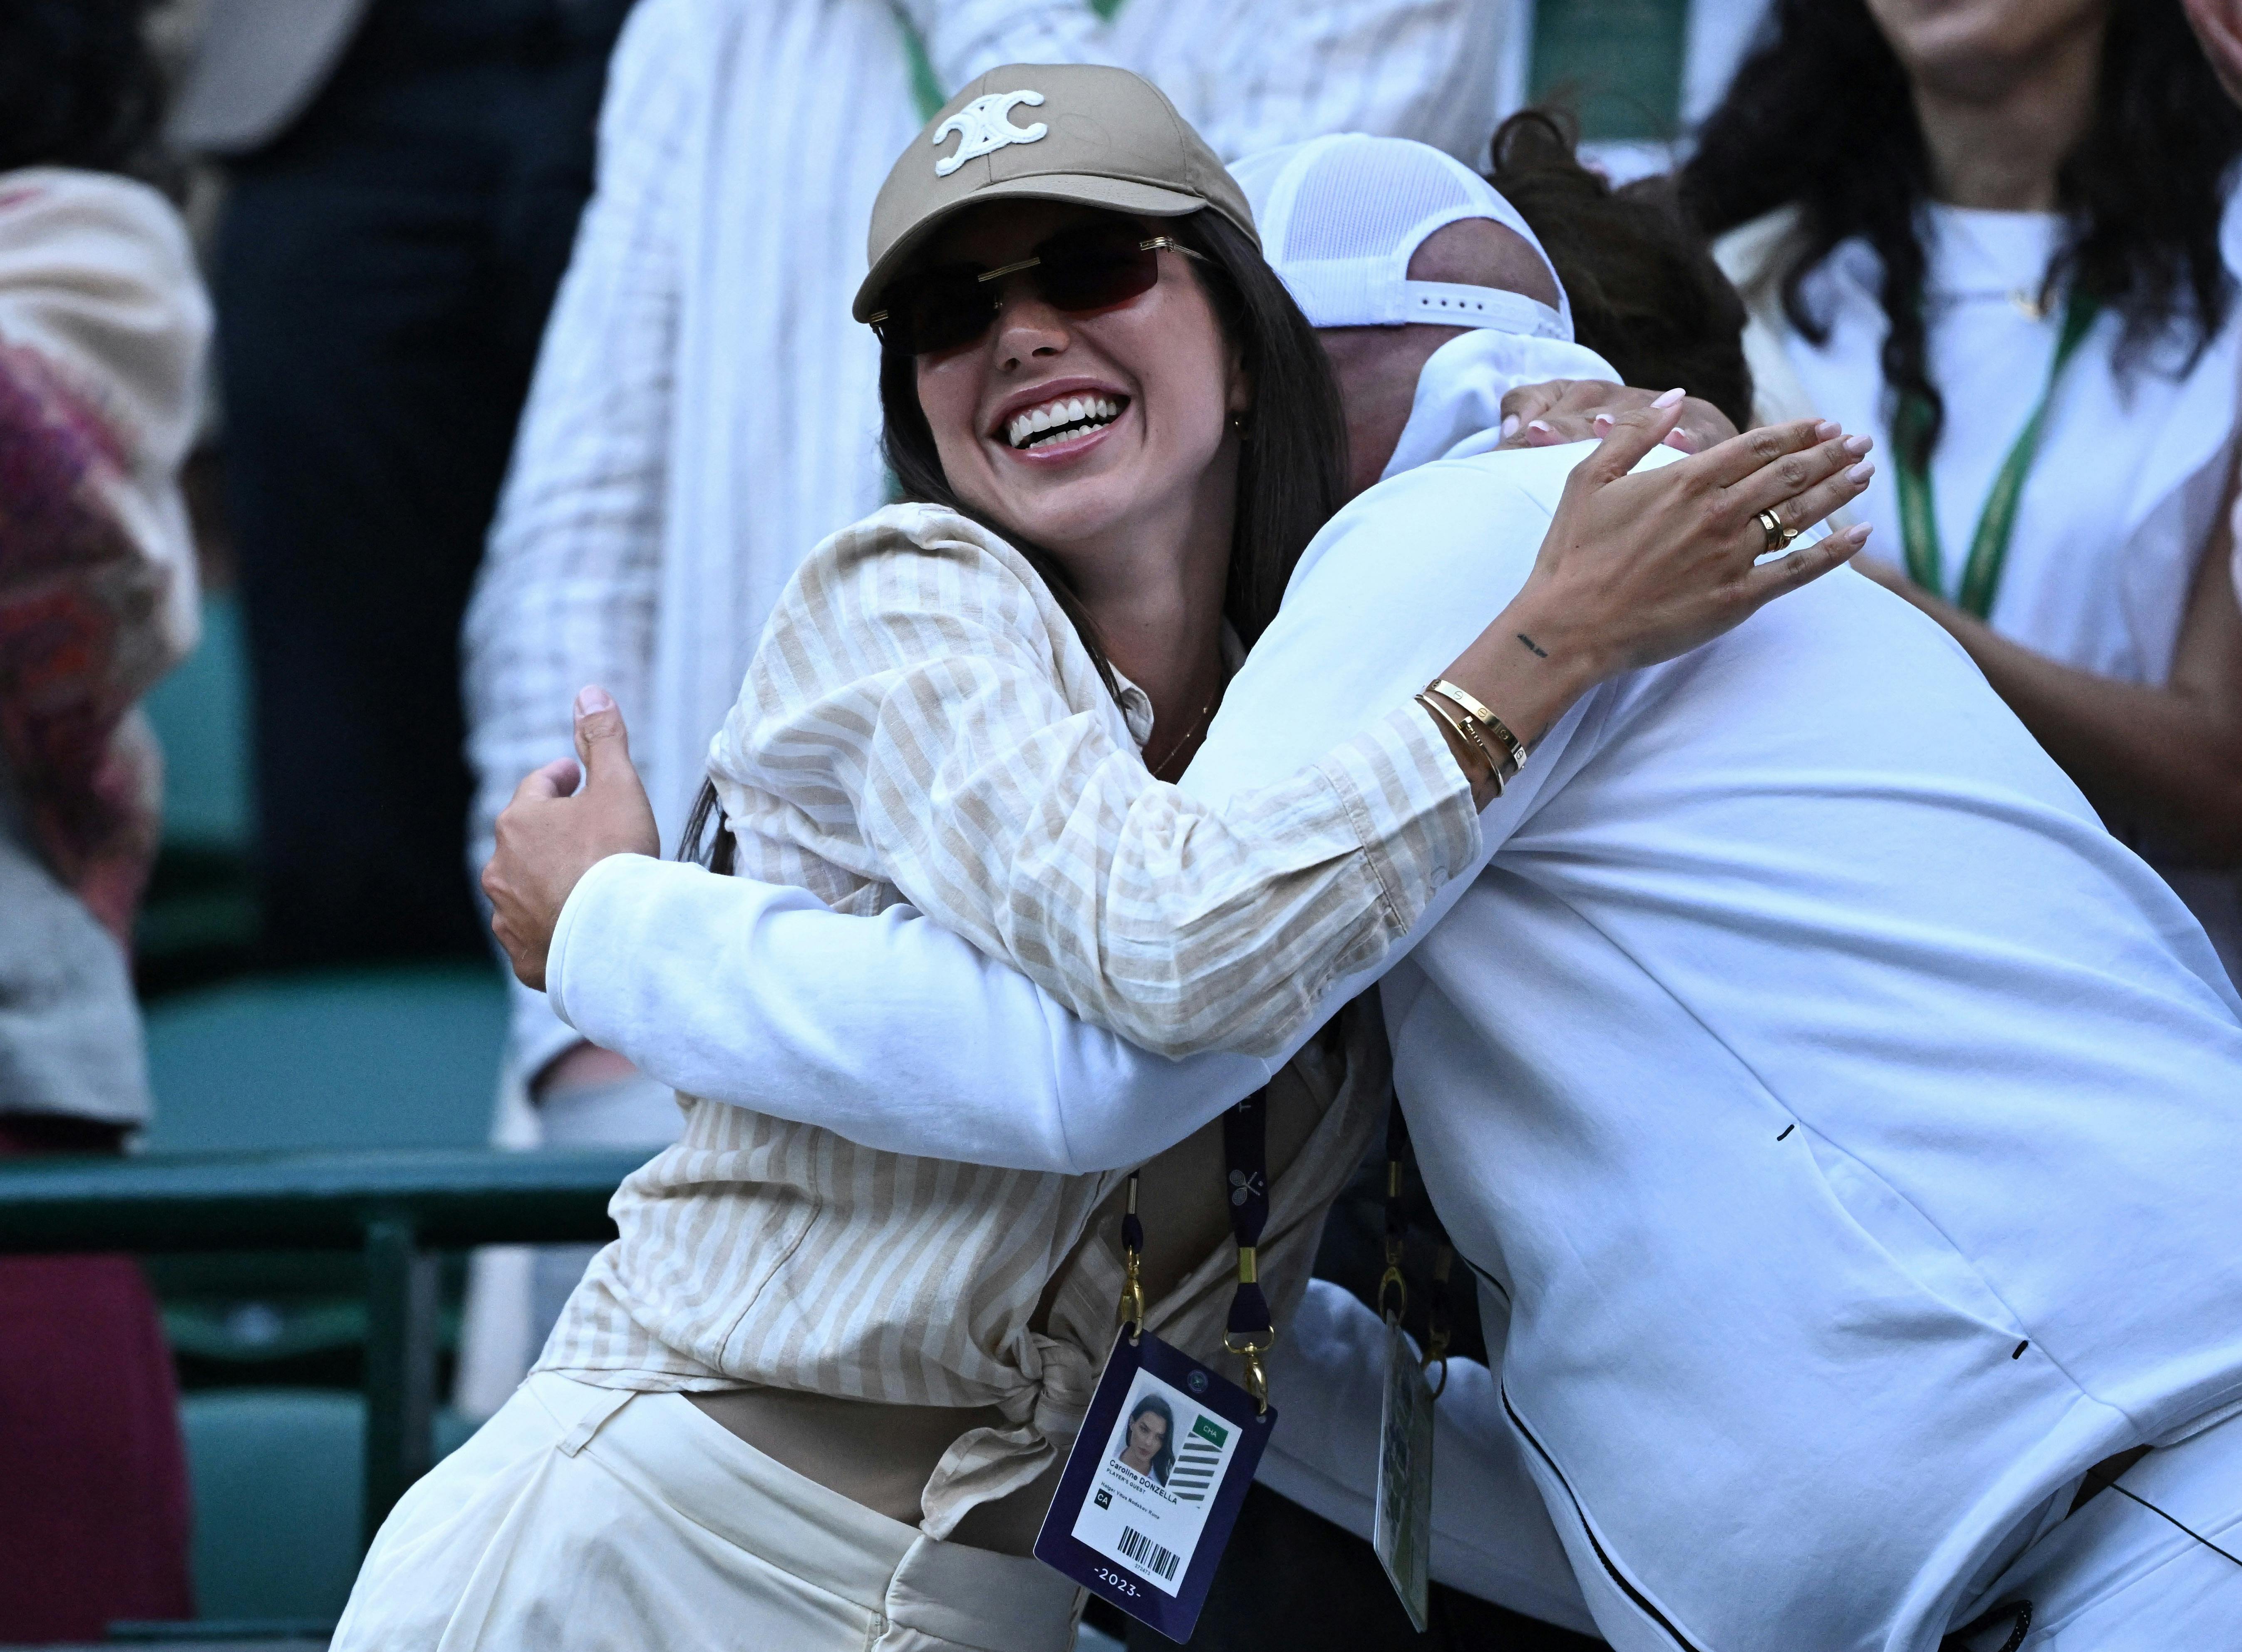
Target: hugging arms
896, 1032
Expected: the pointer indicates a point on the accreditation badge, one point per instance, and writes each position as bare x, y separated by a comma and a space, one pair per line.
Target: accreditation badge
1401, 1521
1154, 1483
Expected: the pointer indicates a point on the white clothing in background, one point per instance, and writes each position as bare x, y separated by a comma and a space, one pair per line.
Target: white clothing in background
595, 1520
1720, 33
2132, 473
1786, 1033
704, 409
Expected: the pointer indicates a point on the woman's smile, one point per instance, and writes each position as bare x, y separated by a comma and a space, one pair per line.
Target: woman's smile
1059, 420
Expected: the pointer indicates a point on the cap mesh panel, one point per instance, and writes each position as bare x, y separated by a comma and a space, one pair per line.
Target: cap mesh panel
1357, 202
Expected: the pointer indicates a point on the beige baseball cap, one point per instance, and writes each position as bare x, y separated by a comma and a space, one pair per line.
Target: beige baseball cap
1046, 132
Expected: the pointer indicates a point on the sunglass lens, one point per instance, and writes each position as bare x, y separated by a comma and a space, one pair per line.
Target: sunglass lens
939, 311
1098, 275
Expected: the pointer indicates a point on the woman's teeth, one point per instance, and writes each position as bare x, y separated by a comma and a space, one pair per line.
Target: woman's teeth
1069, 416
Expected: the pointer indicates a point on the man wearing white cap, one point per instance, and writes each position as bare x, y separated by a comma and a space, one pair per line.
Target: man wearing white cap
1841, 1123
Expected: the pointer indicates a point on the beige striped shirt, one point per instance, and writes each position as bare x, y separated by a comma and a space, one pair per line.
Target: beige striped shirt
921, 723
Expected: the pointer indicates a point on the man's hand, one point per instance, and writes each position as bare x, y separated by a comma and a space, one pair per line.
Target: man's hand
552, 834
1564, 410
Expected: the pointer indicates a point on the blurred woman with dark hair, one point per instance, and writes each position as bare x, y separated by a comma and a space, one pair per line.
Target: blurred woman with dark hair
1999, 236
103, 323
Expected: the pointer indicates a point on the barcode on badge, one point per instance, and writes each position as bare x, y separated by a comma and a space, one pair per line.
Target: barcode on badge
1135, 1546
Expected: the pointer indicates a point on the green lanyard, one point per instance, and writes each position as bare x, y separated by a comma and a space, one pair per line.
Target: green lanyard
1996, 523
926, 88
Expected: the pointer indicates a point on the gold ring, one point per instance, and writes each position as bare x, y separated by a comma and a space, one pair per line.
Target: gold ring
1777, 535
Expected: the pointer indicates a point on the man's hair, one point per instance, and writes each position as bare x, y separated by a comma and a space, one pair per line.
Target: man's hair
1820, 116
79, 85
1645, 293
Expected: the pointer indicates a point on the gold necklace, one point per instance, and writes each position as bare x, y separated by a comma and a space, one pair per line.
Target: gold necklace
1183, 740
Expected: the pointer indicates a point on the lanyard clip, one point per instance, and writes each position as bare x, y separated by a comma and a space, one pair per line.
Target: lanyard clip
1133, 1246
1396, 1226
1250, 1347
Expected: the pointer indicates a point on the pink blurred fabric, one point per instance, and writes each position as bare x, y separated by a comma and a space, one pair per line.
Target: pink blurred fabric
94, 1509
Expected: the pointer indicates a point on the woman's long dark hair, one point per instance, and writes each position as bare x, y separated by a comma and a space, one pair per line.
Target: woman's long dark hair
1820, 115
1291, 467
79, 85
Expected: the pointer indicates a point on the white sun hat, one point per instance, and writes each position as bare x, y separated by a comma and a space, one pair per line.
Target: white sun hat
1340, 216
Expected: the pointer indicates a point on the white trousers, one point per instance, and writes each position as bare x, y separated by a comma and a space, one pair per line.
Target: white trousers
592, 1520
2113, 1577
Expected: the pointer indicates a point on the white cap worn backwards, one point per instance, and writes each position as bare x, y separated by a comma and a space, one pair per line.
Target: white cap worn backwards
1341, 218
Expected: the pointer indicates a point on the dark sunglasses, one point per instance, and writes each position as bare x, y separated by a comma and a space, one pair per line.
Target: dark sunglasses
1077, 270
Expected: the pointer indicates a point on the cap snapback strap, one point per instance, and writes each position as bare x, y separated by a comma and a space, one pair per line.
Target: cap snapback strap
1450, 304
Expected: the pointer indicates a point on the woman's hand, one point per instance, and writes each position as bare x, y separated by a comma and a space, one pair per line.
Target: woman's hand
552, 834
1636, 568
1567, 410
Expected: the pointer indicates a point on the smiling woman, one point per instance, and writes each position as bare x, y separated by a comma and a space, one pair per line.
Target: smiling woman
1240, 501
838, 1383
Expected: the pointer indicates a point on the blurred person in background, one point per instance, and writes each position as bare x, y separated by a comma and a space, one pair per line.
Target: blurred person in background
405, 181
705, 410
103, 326
1992, 234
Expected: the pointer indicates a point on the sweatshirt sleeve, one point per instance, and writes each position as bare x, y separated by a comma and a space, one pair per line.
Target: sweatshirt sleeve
890, 1030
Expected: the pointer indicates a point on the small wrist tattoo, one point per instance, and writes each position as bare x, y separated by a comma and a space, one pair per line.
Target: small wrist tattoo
1539, 653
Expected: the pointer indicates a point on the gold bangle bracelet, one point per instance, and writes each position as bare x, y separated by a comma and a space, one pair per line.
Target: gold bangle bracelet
1487, 720
1467, 730
1466, 733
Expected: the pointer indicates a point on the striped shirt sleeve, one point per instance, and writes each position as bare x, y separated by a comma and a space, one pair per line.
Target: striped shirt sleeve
921, 712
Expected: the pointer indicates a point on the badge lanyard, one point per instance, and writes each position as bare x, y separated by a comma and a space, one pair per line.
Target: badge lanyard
1401, 1516
1157, 1476
1996, 523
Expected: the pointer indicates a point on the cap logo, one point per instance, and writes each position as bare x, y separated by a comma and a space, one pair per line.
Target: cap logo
984, 126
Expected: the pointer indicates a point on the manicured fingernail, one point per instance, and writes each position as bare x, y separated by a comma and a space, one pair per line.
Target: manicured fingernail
1541, 425
1861, 472
1858, 445
1670, 397
1859, 532
591, 699
1602, 419
1509, 426
1827, 429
